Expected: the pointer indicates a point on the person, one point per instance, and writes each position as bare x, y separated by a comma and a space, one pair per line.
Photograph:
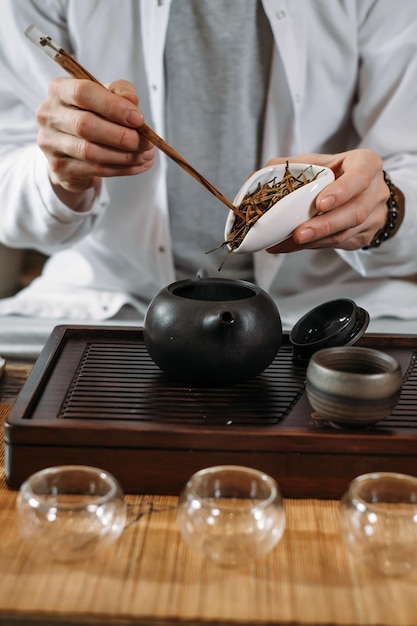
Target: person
231, 85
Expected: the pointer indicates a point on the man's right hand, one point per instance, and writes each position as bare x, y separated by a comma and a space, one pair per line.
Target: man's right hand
87, 133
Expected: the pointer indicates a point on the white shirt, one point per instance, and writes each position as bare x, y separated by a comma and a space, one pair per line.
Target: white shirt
120, 251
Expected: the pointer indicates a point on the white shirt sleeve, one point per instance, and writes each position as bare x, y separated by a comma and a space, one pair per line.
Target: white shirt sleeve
32, 214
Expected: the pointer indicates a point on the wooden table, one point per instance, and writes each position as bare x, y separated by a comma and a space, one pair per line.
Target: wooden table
151, 577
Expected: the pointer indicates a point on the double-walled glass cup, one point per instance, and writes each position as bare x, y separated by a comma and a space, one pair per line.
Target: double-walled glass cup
69, 512
231, 514
378, 517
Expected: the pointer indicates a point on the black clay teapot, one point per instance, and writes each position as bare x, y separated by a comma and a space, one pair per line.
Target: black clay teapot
212, 331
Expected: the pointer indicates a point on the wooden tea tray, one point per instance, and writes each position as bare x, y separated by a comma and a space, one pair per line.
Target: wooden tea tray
95, 397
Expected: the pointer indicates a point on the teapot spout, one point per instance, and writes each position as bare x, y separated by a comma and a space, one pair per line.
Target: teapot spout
219, 320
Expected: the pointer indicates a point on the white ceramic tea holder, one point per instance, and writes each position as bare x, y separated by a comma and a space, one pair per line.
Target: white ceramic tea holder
282, 218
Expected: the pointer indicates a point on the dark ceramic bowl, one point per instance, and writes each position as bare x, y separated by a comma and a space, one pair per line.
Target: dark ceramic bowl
351, 386
335, 323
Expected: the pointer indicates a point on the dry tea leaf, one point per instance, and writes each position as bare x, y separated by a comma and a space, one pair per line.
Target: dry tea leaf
265, 196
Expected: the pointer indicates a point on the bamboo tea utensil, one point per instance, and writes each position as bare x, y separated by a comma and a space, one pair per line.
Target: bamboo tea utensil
72, 67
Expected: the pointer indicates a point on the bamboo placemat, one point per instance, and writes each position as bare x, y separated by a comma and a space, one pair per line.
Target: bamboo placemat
151, 577
14, 376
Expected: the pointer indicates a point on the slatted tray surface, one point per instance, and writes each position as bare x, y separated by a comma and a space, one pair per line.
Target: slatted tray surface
119, 381
95, 397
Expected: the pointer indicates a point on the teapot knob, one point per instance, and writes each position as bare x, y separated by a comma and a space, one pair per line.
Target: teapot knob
202, 273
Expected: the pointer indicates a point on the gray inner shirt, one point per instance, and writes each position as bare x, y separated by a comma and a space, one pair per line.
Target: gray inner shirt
217, 64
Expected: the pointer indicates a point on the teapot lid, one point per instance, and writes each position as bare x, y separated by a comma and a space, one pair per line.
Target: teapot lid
335, 323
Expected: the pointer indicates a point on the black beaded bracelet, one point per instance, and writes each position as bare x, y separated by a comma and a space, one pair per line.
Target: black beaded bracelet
392, 216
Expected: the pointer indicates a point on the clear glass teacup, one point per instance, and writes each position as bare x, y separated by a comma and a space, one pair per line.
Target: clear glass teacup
232, 514
70, 512
378, 519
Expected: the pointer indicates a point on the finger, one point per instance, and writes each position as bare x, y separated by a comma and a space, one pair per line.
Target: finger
98, 154
333, 225
75, 175
340, 233
355, 173
89, 127
90, 96
343, 209
342, 190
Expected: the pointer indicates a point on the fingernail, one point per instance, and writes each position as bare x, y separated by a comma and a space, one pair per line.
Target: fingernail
134, 118
327, 203
306, 235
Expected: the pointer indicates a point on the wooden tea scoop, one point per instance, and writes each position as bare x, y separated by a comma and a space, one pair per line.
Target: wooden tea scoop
70, 65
